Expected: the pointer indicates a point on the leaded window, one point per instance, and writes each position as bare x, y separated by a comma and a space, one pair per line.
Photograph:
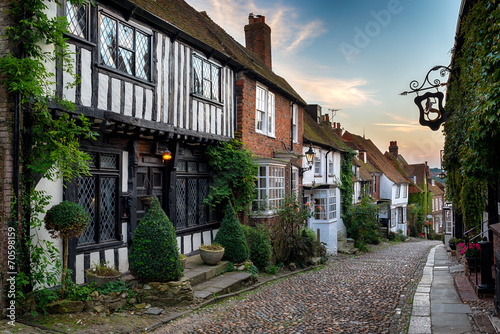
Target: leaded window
77, 16
124, 47
206, 78
191, 188
98, 194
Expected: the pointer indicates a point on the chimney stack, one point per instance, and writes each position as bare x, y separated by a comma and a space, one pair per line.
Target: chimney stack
258, 37
336, 129
393, 148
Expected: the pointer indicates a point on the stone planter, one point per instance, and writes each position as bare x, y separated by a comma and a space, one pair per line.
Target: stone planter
101, 280
473, 264
211, 257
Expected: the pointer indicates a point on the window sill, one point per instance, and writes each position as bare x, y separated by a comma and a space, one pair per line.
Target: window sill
79, 40
206, 99
125, 75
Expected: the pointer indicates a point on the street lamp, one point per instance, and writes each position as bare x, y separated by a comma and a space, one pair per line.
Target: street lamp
310, 154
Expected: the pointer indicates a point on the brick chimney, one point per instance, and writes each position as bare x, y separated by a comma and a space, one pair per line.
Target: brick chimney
336, 129
393, 148
258, 37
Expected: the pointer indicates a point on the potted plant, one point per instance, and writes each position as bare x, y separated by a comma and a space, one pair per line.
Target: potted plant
102, 273
211, 254
471, 252
453, 243
66, 220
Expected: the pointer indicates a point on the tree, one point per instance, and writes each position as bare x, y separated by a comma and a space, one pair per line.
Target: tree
231, 236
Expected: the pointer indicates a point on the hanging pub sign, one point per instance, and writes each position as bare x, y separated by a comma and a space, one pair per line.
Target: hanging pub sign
430, 105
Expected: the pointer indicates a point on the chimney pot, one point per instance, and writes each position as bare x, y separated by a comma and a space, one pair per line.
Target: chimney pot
393, 148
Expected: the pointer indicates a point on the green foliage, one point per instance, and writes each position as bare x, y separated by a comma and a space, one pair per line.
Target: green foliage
75, 292
259, 243
66, 219
472, 134
114, 286
252, 269
346, 185
271, 270
235, 175
304, 247
103, 269
44, 297
293, 216
231, 236
154, 256
230, 267
363, 223
415, 219
49, 143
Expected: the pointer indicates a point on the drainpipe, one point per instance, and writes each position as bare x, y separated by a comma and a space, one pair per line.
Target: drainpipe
326, 164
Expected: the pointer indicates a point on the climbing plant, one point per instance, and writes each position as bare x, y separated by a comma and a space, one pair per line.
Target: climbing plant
235, 175
346, 186
49, 142
472, 132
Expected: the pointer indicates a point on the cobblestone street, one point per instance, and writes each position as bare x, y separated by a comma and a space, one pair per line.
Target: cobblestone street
369, 293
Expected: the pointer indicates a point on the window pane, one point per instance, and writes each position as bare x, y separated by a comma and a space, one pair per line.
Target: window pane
108, 186
77, 19
108, 47
207, 87
86, 198
193, 203
198, 76
143, 57
125, 61
180, 191
125, 37
109, 161
215, 83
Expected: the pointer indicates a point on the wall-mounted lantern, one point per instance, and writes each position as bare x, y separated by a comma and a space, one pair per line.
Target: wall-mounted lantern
310, 154
162, 149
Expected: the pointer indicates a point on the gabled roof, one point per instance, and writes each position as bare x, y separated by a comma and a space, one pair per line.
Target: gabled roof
402, 166
435, 190
322, 134
420, 171
375, 157
184, 22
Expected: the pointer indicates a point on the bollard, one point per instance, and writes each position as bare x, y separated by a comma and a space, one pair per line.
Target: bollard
486, 286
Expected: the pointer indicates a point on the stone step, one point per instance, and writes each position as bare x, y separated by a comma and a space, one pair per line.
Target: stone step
199, 272
222, 284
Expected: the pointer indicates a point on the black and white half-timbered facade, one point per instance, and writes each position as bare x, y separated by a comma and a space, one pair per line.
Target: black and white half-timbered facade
148, 86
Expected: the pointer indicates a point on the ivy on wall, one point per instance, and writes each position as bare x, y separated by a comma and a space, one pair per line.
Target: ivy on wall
472, 131
49, 142
346, 186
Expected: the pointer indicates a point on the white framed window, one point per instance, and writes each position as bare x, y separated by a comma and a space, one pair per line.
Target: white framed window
393, 217
330, 166
295, 129
325, 204
404, 214
265, 112
295, 181
405, 190
270, 188
317, 166
398, 190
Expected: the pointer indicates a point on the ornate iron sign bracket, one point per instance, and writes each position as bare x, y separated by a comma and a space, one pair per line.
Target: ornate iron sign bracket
430, 105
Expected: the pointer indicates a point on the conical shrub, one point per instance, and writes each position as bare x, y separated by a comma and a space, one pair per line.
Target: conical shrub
231, 236
154, 255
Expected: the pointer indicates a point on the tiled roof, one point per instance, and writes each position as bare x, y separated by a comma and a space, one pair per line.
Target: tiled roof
375, 157
321, 134
179, 18
435, 190
420, 171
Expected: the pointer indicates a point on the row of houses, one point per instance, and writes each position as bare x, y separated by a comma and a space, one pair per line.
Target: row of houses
159, 76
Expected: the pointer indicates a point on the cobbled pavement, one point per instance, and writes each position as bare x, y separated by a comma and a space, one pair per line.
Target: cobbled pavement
369, 293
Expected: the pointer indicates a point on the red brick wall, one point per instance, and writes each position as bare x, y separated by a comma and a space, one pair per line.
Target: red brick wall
262, 145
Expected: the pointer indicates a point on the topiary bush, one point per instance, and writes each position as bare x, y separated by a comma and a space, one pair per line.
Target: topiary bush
259, 244
231, 236
154, 255
66, 220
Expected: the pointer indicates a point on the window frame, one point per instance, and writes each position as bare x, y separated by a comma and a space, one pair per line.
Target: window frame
265, 111
325, 205
317, 165
331, 167
271, 189
398, 191
86, 37
295, 123
198, 86
136, 29
98, 173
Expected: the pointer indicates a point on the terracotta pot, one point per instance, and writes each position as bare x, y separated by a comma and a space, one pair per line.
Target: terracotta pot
147, 200
211, 257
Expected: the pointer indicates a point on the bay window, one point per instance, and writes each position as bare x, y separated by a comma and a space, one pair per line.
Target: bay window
270, 188
325, 204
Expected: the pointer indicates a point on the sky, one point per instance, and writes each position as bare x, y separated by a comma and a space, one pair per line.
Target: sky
356, 56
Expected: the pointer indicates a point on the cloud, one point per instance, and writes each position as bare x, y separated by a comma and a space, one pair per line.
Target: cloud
290, 33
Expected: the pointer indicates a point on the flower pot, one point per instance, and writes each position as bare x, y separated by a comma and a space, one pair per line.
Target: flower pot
473, 263
211, 257
101, 280
146, 200
452, 245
